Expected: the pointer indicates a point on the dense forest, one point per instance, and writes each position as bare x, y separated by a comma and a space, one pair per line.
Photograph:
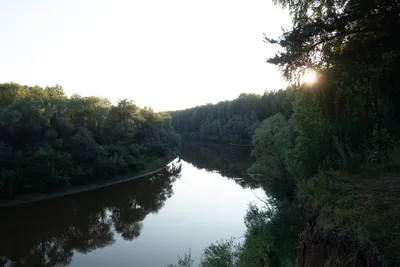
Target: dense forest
232, 122
334, 159
50, 142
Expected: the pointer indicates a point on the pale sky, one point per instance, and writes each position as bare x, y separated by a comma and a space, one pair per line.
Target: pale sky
165, 54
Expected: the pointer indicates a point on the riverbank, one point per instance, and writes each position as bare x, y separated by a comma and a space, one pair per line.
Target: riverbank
189, 139
24, 199
354, 219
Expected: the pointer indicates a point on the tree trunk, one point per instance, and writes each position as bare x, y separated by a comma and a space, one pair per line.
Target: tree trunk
377, 153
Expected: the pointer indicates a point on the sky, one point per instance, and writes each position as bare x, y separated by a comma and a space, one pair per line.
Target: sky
168, 55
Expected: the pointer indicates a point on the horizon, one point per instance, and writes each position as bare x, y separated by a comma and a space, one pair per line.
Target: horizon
141, 106
167, 56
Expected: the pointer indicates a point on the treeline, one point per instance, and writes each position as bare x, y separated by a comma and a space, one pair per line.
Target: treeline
49, 141
232, 122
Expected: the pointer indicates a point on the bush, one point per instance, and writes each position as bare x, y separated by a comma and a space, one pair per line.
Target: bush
271, 144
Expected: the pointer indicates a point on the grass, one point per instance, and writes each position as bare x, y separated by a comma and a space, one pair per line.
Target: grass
363, 207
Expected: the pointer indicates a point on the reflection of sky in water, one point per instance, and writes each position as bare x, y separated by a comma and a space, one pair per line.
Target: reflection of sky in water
204, 208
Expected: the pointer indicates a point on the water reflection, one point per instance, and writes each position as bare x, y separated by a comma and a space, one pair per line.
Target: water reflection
231, 162
47, 233
96, 228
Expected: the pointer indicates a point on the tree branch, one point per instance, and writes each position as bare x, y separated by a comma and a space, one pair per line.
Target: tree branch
348, 33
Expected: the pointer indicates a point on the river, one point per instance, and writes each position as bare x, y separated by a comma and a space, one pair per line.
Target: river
146, 222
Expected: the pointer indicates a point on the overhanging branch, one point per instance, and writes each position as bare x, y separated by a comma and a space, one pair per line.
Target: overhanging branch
348, 33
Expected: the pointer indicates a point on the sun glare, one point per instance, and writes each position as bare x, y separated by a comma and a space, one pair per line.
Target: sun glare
310, 76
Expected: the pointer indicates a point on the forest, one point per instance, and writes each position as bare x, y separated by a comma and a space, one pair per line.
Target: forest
231, 122
331, 156
51, 142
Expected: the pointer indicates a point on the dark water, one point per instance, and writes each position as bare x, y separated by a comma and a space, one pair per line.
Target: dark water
146, 222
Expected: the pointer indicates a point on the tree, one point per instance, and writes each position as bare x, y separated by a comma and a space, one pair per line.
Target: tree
9, 92
55, 92
271, 142
354, 45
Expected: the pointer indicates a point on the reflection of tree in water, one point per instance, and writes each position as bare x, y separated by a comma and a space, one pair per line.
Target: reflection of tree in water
229, 161
46, 233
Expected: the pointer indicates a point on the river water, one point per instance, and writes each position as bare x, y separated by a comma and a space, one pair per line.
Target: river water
145, 222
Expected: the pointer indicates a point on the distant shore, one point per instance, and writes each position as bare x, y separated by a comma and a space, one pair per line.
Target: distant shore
25, 199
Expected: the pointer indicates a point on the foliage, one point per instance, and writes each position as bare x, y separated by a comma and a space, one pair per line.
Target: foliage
50, 142
271, 142
221, 254
233, 121
349, 118
354, 47
314, 141
325, 32
362, 208
185, 261
271, 236
270, 240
